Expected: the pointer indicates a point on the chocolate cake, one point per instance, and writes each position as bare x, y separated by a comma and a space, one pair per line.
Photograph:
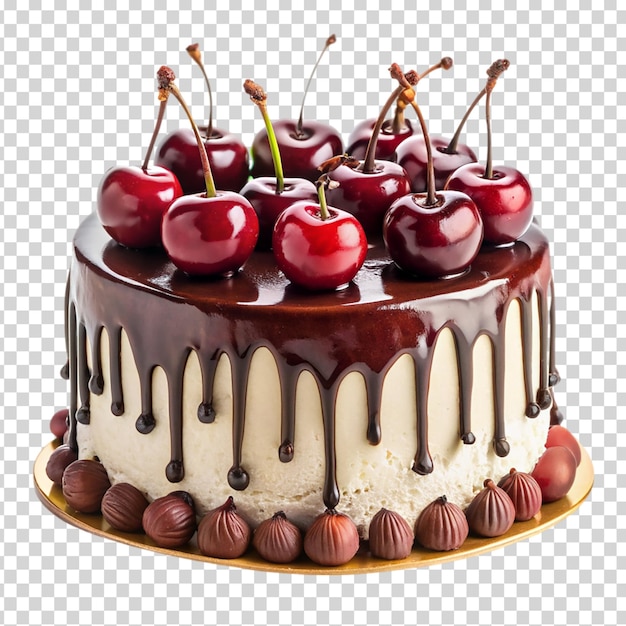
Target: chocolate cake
388, 393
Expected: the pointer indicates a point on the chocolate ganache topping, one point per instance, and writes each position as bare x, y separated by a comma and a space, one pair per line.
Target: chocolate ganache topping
365, 328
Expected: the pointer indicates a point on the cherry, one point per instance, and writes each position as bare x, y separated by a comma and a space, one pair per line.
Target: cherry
303, 145
317, 246
560, 436
503, 195
448, 156
132, 200
58, 423
271, 196
555, 472
228, 155
211, 233
367, 188
435, 234
393, 131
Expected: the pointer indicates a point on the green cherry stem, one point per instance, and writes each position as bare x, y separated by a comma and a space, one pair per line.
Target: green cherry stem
194, 52
259, 97
329, 42
165, 77
493, 72
322, 182
157, 128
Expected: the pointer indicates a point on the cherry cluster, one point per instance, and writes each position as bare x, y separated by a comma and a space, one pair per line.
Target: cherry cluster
314, 204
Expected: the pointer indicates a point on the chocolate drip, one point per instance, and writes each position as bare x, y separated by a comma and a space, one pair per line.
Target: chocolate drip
423, 463
500, 444
73, 361
331, 489
532, 408
206, 411
82, 415
364, 329
145, 422
465, 371
65, 370
238, 478
96, 382
115, 359
374, 390
544, 398
175, 470
289, 378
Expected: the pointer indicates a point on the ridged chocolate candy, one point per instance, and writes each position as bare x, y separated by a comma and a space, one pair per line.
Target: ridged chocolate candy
524, 492
223, 533
491, 513
169, 521
390, 536
441, 526
58, 461
277, 539
123, 506
332, 539
84, 484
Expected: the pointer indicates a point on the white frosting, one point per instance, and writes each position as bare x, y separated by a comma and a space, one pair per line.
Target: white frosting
369, 476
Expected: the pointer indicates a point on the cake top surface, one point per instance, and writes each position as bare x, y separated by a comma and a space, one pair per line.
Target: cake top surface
379, 283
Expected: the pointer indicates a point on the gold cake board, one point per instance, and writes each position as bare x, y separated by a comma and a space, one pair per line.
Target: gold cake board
550, 514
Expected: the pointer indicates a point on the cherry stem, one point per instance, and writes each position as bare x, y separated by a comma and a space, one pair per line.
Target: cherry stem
454, 143
431, 195
194, 52
494, 71
259, 97
489, 167
398, 118
321, 184
165, 77
331, 40
155, 132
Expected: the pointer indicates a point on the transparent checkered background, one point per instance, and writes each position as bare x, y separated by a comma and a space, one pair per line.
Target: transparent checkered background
79, 96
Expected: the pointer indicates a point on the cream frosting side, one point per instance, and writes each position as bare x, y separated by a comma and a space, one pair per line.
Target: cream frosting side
369, 476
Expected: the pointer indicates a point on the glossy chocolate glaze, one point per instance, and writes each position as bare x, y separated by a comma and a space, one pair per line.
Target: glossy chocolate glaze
366, 327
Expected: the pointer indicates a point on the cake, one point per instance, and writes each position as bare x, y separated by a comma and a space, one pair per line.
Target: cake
383, 383
389, 393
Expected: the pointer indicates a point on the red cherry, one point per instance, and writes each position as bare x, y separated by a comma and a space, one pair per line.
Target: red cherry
318, 247
368, 188
368, 195
433, 240
58, 423
227, 154
132, 201
210, 236
447, 156
212, 233
393, 131
555, 472
560, 436
503, 195
435, 234
268, 204
302, 151
505, 200
388, 140
412, 156
304, 146
271, 196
